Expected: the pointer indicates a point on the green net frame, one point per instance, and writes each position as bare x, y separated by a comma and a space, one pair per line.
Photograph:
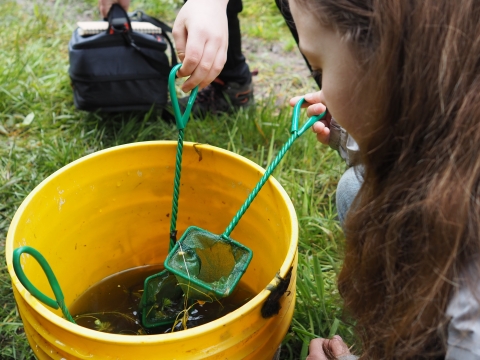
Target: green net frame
207, 266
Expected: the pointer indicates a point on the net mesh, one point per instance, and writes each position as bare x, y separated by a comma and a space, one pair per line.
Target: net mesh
162, 300
207, 266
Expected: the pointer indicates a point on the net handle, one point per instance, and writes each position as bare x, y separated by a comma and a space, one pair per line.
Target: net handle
181, 121
55, 304
295, 133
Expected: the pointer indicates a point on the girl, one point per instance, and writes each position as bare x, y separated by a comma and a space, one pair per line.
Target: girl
403, 78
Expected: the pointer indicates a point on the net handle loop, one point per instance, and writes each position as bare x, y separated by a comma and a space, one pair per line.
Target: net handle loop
181, 121
55, 304
295, 133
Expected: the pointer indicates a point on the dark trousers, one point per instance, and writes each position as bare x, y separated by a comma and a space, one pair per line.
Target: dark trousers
236, 68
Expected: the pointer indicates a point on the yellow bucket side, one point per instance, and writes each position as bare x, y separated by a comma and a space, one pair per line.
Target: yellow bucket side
110, 211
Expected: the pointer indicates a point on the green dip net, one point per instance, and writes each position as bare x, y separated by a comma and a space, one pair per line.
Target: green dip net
202, 265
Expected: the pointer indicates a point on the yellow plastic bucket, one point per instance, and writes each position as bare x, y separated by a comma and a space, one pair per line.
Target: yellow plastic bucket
110, 211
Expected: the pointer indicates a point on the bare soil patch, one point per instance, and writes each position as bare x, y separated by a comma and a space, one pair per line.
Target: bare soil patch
281, 74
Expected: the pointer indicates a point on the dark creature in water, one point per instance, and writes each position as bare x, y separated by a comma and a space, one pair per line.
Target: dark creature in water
271, 306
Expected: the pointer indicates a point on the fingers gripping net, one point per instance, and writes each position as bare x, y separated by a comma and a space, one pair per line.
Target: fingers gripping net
207, 266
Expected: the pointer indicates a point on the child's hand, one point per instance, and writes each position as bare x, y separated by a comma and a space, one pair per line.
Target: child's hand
327, 349
316, 106
200, 32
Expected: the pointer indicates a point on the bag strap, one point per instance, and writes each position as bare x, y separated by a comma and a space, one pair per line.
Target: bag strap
141, 16
119, 23
118, 20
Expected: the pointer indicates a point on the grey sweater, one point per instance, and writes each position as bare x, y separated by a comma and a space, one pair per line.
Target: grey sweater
464, 326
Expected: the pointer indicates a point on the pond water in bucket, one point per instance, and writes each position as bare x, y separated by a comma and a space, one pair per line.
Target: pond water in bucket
112, 305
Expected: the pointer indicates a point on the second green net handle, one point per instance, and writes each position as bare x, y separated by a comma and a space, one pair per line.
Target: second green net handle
295, 133
55, 304
181, 121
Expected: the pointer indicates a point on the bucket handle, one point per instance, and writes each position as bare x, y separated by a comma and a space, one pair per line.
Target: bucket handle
55, 304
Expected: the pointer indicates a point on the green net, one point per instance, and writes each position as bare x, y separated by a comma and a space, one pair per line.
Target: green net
162, 300
207, 266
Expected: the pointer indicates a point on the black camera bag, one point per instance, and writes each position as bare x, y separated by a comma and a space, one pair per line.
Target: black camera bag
120, 69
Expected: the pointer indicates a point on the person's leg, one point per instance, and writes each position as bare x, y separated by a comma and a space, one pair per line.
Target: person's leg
347, 190
285, 11
236, 68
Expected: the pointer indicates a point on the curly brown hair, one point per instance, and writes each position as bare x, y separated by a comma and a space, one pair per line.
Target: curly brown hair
414, 227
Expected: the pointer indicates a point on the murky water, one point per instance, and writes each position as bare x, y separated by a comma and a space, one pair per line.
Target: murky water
113, 305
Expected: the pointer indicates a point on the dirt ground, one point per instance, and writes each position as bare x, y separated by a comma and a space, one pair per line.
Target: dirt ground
281, 74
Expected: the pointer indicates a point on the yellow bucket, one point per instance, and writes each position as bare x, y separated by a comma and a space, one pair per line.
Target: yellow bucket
110, 211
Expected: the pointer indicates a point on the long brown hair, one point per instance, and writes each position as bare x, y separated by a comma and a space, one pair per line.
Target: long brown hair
415, 225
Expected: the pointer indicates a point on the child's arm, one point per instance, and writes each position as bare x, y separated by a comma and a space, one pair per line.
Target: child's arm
200, 32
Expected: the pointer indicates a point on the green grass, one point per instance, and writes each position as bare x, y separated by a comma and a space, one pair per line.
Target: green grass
40, 131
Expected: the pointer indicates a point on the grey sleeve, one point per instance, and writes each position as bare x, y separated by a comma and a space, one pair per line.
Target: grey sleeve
346, 146
464, 327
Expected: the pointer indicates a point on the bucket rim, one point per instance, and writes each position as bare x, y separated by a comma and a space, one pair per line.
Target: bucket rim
235, 315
